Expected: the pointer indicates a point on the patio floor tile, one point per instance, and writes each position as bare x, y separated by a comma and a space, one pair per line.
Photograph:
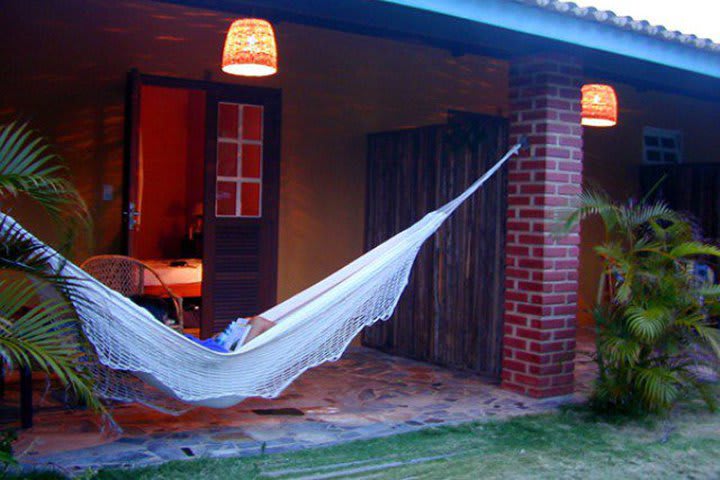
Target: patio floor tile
364, 395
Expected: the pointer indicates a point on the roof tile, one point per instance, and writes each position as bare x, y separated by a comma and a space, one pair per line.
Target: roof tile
623, 22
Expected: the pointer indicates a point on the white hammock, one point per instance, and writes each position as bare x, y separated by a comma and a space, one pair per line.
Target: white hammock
313, 327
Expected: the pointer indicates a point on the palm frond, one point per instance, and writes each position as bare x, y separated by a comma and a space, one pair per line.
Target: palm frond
612, 252
709, 290
647, 324
689, 249
27, 167
24, 256
659, 387
619, 350
46, 336
645, 213
588, 203
710, 335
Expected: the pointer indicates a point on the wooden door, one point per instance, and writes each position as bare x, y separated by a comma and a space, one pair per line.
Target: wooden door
241, 204
131, 216
452, 312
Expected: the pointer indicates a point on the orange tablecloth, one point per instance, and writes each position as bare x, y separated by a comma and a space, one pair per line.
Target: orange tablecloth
179, 289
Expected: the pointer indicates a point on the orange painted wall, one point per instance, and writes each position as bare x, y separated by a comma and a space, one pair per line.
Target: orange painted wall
195, 152
172, 132
163, 147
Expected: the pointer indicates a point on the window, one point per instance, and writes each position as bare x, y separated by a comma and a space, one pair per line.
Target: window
238, 192
661, 146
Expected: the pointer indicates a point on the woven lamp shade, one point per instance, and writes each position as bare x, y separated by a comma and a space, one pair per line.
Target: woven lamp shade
599, 106
250, 49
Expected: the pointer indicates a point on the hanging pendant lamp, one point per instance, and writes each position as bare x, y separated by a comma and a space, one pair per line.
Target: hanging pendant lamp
250, 48
599, 105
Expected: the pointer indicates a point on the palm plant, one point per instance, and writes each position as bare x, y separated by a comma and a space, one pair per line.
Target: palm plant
39, 325
654, 318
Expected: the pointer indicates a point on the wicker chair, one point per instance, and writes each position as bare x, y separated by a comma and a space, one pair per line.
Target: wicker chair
126, 275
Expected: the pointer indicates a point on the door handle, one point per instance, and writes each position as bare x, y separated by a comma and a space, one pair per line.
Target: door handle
133, 216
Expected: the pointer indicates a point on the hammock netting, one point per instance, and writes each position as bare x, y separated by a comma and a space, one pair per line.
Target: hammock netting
141, 360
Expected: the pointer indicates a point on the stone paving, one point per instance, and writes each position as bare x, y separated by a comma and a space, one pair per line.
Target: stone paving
364, 395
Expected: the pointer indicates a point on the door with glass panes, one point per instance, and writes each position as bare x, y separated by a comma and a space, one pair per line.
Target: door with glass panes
241, 204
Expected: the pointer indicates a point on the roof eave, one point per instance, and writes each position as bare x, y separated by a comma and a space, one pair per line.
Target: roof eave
593, 35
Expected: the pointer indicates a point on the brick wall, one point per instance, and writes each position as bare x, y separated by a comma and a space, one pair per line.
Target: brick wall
542, 270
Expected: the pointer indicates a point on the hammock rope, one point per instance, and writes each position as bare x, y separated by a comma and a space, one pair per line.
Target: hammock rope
313, 327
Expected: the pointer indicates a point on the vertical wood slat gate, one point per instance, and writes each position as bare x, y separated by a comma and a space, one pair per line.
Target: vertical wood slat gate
452, 311
692, 188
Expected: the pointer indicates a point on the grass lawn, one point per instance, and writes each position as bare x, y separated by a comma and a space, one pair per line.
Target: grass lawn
569, 444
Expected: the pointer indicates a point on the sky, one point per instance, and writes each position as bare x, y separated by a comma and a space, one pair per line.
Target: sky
698, 17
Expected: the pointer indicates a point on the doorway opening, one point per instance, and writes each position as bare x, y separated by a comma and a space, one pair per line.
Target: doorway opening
168, 230
201, 196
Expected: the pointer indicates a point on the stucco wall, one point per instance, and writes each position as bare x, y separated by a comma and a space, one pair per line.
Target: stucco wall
64, 70
613, 155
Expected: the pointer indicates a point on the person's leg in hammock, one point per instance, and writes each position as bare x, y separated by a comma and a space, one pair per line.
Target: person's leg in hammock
222, 342
258, 326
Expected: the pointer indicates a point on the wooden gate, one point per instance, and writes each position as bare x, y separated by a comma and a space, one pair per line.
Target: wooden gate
452, 312
691, 188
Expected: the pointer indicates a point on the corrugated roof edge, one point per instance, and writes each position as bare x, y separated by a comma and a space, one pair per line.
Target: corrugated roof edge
626, 23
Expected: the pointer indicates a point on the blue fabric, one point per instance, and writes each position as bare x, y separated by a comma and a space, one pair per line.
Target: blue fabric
703, 273
209, 343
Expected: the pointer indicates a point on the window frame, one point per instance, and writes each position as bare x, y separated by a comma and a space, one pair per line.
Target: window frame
660, 134
239, 179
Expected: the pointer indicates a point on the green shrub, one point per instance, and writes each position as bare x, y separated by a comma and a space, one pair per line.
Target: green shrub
7, 457
654, 318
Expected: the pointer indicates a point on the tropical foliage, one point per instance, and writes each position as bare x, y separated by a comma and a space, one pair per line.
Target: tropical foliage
656, 334
39, 326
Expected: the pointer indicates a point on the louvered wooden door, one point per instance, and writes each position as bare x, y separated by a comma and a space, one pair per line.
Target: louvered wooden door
241, 204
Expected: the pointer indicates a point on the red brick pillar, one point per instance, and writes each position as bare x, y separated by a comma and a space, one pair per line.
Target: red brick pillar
542, 271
